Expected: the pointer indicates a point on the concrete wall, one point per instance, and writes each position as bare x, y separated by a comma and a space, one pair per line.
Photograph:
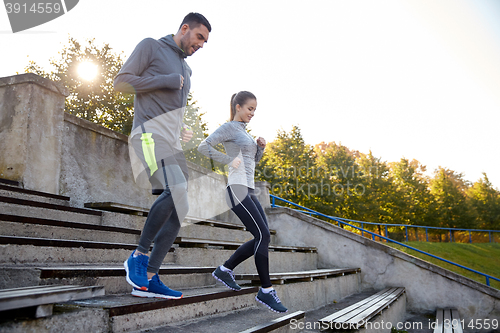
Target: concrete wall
31, 119
427, 286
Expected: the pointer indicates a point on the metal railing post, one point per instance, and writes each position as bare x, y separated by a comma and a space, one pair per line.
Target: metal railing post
406, 232
426, 235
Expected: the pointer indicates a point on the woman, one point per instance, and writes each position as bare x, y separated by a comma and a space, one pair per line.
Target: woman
242, 153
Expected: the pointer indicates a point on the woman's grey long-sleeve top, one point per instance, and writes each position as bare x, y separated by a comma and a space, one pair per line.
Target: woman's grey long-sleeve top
237, 143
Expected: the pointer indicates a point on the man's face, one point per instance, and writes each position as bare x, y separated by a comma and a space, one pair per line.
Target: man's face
193, 39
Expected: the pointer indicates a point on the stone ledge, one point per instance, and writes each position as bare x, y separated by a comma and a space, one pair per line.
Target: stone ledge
88, 125
94, 127
31, 78
389, 250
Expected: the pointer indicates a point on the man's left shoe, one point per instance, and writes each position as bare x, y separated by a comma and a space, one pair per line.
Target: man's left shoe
157, 289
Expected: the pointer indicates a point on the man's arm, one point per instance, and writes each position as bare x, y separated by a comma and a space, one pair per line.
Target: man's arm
129, 79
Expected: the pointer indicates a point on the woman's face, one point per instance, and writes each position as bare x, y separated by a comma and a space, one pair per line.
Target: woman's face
246, 111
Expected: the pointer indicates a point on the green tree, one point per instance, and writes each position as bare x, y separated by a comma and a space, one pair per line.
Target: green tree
453, 210
374, 204
412, 197
339, 165
287, 165
95, 99
486, 202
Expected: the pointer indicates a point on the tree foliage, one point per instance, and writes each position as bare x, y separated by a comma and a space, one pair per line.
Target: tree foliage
94, 100
337, 181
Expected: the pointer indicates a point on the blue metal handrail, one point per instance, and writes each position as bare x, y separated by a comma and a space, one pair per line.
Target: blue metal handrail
339, 221
406, 226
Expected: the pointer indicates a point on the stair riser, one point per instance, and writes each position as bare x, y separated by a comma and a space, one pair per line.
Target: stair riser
278, 261
41, 255
24, 277
154, 318
33, 197
318, 293
87, 320
56, 232
46, 213
118, 284
9, 228
213, 233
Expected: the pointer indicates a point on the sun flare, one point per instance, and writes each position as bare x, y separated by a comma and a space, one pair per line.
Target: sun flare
87, 70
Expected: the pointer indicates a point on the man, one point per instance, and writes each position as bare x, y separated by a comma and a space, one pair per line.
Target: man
160, 77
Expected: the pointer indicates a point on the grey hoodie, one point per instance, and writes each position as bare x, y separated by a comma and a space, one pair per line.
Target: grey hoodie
153, 72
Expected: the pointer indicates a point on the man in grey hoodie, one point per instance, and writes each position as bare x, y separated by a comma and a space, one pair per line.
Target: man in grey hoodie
157, 73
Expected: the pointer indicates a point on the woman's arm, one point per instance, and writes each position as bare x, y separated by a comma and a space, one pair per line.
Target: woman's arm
206, 147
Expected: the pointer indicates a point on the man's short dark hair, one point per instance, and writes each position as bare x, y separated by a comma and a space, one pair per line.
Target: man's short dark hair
193, 20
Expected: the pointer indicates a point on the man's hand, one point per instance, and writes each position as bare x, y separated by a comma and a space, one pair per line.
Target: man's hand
182, 83
186, 134
261, 142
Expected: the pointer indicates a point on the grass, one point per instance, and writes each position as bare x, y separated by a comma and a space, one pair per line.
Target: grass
482, 257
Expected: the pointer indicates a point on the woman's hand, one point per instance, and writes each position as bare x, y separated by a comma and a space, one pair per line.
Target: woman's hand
236, 163
261, 142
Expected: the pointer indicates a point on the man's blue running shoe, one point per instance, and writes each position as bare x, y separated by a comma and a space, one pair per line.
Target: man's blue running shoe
136, 268
157, 289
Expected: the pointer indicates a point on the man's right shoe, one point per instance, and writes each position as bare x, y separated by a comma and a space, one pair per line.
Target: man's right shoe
136, 268
157, 289
227, 278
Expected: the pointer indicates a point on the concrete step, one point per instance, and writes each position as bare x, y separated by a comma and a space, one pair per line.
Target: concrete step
127, 312
38, 301
187, 252
43, 251
298, 276
250, 320
112, 277
22, 226
278, 261
20, 193
36, 209
218, 231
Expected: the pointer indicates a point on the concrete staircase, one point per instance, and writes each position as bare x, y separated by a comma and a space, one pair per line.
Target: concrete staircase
45, 241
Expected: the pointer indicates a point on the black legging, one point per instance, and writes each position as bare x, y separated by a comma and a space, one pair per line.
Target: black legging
245, 205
